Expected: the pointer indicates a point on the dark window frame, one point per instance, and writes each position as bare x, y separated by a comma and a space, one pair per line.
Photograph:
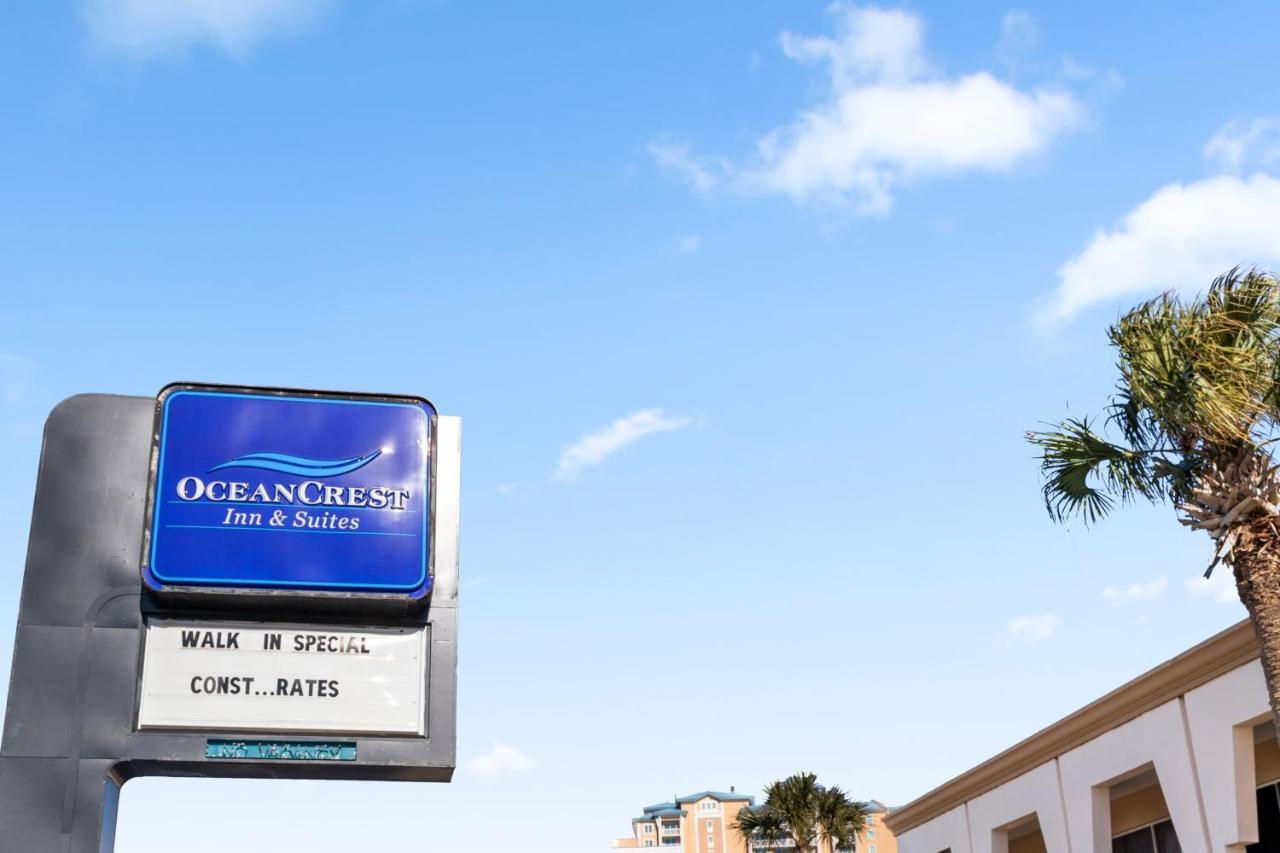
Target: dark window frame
1158, 836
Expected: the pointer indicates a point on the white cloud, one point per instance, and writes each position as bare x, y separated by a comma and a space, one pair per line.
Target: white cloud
1219, 586
1134, 592
595, 447
1180, 238
502, 760
146, 27
888, 117
689, 244
884, 44
1035, 628
1239, 144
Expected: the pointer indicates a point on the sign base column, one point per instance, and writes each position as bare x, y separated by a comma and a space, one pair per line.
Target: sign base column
38, 813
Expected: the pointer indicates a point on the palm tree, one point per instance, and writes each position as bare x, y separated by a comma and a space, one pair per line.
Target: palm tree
1194, 419
841, 820
800, 810
760, 824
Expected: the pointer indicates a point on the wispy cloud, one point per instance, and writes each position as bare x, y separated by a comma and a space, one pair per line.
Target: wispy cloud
1034, 628
1135, 592
595, 447
148, 27
502, 760
1241, 144
1184, 234
689, 244
676, 158
1220, 586
1018, 37
888, 116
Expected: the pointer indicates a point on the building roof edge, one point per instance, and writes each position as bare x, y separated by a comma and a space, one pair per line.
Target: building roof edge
1202, 663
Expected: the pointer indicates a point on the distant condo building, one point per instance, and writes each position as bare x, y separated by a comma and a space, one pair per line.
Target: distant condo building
703, 823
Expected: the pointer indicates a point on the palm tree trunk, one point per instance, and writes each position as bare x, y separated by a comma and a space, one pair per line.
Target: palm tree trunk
1255, 558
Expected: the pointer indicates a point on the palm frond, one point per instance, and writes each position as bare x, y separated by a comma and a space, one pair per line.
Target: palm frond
1156, 378
1075, 458
1178, 476
1205, 369
840, 818
1196, 409
760, 823
1133, 420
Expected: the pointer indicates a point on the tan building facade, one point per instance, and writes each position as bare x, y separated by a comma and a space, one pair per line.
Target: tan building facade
697, 823
1183, 758
877, 837
703, 823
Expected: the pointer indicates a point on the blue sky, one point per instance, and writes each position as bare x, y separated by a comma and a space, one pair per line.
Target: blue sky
745, 309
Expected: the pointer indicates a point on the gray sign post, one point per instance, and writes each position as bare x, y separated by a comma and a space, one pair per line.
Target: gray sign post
71, 732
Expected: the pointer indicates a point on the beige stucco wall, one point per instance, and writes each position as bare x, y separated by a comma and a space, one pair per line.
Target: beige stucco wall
733, 843
1266, 761
1198, 746
1141, 808
694, 830
1033, 843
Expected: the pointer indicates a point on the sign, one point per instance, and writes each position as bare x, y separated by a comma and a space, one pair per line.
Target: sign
226, 676
275, 750
291, 490
226, 655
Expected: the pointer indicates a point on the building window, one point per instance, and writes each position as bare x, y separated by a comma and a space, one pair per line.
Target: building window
871, 849
648, 827
711, 841
1157, 838
871, 833
1268, 820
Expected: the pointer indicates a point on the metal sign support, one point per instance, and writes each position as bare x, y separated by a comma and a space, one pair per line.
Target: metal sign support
70, 737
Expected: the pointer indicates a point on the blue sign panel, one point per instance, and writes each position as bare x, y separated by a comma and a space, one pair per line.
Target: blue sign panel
277, 490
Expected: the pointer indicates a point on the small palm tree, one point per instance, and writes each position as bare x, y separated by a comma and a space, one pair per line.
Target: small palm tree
760, 824
1195, 418
841, 819
800, 810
